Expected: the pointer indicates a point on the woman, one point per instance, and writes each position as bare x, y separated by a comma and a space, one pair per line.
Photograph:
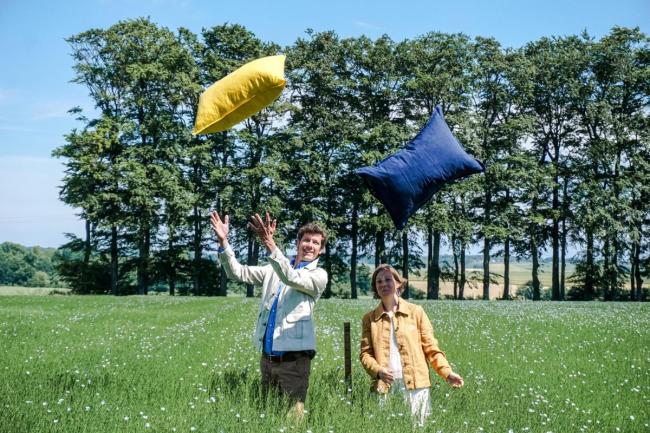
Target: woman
397, 345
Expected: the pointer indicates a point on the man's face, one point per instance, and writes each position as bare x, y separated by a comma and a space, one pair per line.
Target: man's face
309, 246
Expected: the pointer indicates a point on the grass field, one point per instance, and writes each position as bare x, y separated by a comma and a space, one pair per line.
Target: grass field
143, 364
20, 290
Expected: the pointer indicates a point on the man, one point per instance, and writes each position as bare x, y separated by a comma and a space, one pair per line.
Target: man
285, 329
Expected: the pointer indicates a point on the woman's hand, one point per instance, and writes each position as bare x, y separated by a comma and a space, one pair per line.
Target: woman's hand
220, 228
386, 375
455, 380
264, 230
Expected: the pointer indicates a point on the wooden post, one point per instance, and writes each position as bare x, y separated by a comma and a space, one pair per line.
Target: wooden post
347, 355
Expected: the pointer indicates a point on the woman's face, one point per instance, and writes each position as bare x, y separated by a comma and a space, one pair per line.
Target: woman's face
386, 284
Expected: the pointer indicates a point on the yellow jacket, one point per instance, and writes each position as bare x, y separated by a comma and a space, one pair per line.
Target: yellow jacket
417, 346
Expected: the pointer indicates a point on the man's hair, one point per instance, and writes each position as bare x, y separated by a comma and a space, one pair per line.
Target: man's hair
401, 281
313, 228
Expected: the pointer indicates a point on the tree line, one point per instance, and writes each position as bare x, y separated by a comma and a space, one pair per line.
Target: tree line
560, 123
28, 266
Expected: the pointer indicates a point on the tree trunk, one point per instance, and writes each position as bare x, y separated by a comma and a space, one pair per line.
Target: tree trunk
405, 262
614, 280
380, 248
506, 268
172, 285
455, 253
223, 283
563, 245
535, 273
555, 234
251, 261
328, 246
171, 275
486, 268
328, 267
590, 290
637, 271
353, 255
563, 240
614, 288
196, 267
636, 261
434, 266
87, 245
429, 260
85, 284
506, 258
143, 260
461, 283
145, 232
632, 272
114, 274
486, 246
147, 249
606, 270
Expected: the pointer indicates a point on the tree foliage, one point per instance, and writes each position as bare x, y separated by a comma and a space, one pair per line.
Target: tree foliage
561, 125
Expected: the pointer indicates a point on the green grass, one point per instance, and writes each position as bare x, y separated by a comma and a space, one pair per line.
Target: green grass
141, 364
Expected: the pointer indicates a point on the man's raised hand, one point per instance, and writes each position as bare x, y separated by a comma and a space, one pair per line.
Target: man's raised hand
265, 229
220, 227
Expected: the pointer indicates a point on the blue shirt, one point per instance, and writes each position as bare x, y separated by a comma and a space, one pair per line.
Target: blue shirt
270, 325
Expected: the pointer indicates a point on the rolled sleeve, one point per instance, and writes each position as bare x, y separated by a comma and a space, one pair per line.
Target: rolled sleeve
309, 281
234, 270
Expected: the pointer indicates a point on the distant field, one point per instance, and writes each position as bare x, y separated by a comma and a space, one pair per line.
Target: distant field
520, 274
93, 364
17, 291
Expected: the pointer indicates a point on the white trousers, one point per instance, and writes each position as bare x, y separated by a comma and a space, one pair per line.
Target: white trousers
418, 399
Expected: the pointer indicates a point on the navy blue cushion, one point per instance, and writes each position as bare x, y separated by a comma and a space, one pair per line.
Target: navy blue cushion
407, 180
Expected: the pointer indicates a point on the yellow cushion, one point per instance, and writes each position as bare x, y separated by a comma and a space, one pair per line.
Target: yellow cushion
240, 94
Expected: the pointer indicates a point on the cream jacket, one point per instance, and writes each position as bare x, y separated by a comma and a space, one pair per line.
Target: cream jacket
294, 326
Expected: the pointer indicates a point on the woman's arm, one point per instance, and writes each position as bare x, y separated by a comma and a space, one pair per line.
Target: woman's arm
367, 353
435, 357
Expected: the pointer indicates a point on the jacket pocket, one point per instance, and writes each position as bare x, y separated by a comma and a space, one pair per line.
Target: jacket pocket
298, 320
298, 316
299, 313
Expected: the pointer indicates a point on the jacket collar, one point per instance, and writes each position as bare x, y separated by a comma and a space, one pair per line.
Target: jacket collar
402, 308
311, 265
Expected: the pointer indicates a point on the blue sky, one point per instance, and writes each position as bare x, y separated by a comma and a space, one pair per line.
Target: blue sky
35, 92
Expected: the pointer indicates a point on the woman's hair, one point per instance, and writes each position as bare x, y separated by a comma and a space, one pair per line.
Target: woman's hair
401, 281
